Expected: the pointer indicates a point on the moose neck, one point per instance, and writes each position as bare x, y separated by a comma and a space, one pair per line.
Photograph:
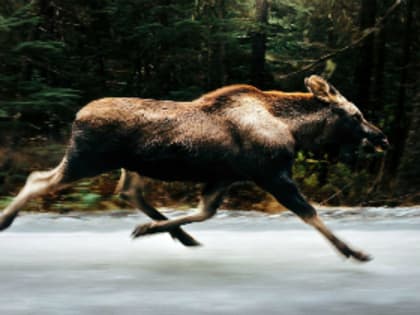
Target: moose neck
306, 117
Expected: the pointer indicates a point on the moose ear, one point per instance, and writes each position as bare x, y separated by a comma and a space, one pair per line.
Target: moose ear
321, 89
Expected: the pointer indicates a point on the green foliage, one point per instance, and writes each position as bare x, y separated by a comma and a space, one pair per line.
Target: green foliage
30, 68
342, 183
90, 199
346, 185
306, 169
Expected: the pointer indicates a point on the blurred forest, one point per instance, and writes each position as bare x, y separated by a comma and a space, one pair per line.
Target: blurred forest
57, 55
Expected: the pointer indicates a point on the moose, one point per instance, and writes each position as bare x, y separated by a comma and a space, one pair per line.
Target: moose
233, 134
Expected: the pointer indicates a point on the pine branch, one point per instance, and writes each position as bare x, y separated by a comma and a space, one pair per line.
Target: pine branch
365, 34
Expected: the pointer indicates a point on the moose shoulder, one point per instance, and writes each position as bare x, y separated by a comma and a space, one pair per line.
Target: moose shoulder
233, 134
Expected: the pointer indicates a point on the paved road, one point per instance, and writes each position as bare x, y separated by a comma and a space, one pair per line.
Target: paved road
250, 264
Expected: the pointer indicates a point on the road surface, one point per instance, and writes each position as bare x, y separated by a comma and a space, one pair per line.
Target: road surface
251, 263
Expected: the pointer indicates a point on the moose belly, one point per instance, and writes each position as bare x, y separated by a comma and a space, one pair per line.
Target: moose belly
184, 170
200, 158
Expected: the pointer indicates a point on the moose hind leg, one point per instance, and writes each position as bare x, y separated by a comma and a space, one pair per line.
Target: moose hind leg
129, 189
211, 198
285, 191
37, 184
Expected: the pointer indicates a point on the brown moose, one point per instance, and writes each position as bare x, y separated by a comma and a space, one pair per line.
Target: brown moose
236, 133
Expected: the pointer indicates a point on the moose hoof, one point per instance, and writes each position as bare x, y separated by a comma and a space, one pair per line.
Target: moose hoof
184, 238
144, 229
360, 256
5, 221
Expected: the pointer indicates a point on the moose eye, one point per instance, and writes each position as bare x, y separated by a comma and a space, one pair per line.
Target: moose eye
357, 117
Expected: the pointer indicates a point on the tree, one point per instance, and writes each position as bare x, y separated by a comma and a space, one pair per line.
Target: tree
408, 179
258, 39
408, 172
400, 117
364, 68
31, 67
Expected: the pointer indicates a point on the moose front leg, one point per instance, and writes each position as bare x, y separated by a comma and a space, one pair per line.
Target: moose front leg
285, 191
211, 198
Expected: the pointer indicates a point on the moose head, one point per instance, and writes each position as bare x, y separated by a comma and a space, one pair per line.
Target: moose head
345, 123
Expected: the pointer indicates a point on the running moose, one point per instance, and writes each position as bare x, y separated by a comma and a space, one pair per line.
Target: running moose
236, 133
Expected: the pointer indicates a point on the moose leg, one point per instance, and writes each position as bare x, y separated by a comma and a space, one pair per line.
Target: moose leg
129, 188
37, 184
285, 191
211, 198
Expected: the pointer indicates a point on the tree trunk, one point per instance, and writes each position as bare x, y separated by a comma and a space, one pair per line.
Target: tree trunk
379, 74
408, 172
400, 123
408, 178
364, 68
216, 49
259, 39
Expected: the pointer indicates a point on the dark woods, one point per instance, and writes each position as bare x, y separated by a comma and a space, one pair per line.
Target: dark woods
55, 56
